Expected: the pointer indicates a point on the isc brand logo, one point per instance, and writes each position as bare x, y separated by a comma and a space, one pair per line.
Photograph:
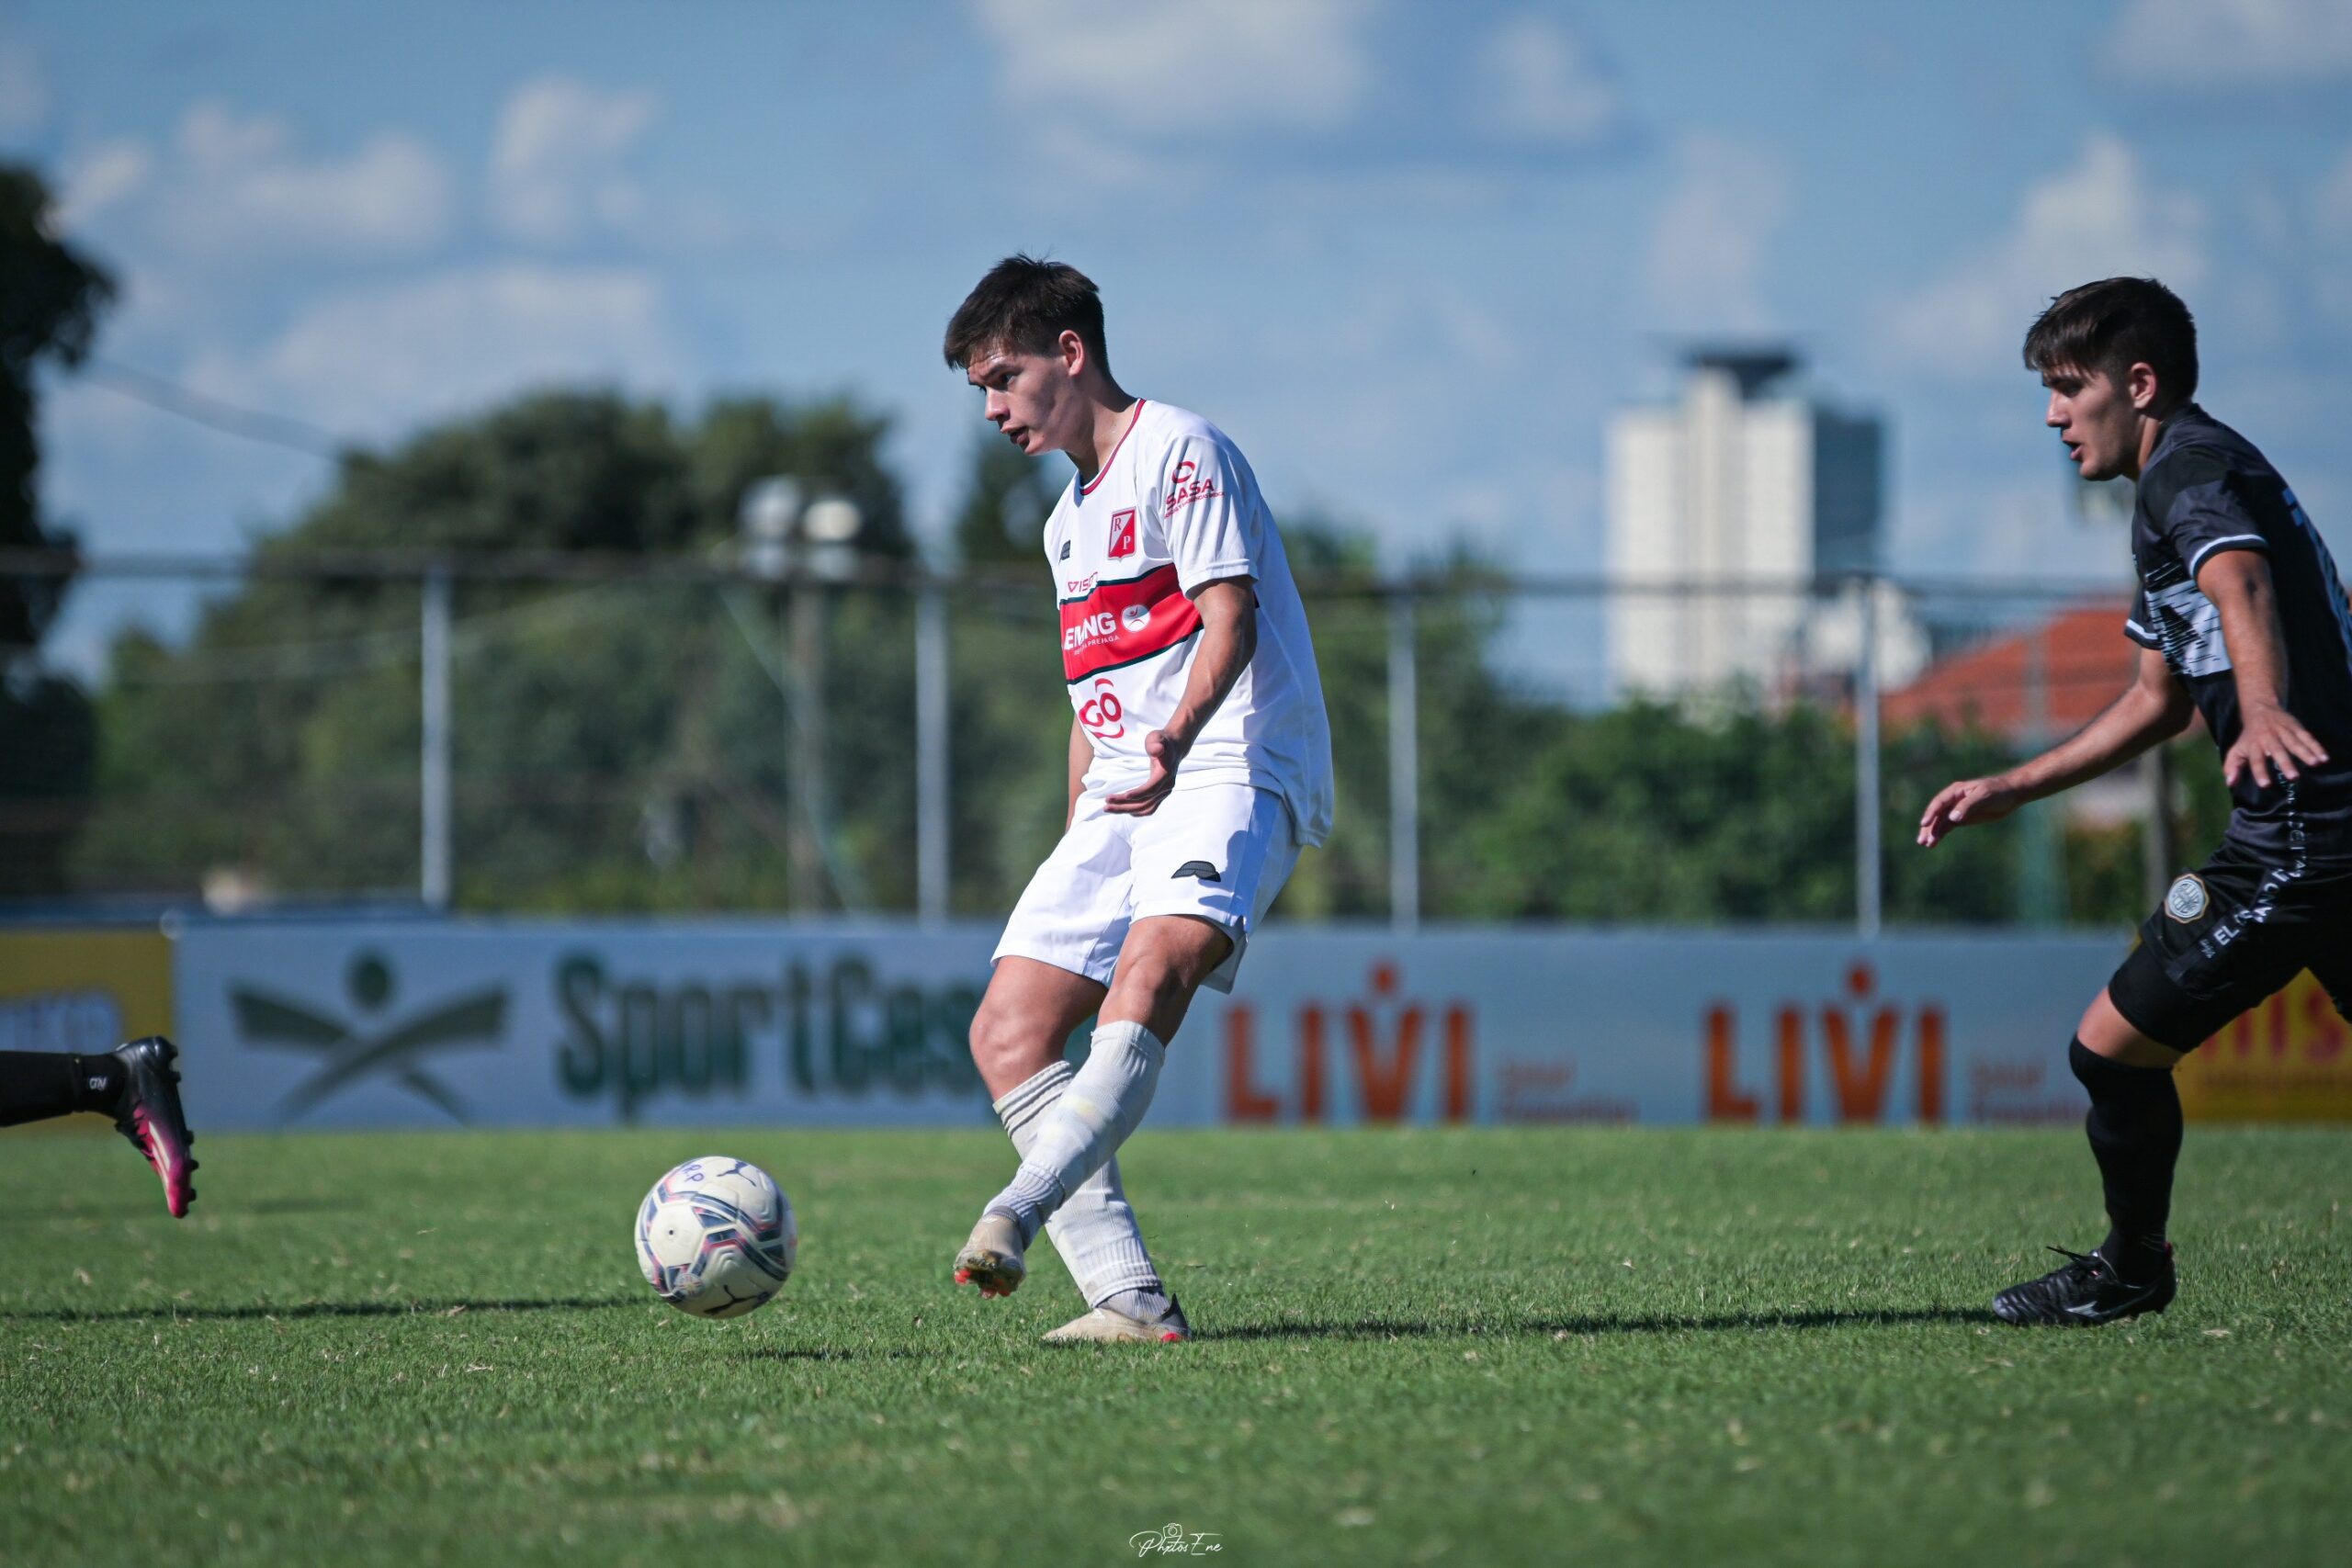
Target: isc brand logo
1388, 1040
1861, 1045
1123, 533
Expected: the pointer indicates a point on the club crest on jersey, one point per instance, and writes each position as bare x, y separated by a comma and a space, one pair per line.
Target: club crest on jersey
1123, 533
2185, 901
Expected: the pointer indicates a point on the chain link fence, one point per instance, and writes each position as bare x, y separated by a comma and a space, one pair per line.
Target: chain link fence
587, 735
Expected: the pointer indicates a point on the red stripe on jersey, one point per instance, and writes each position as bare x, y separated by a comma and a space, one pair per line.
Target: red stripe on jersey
1120, 623
1087, 488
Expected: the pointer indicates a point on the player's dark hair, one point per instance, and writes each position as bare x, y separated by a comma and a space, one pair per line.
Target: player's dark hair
2112, 325
1025, 305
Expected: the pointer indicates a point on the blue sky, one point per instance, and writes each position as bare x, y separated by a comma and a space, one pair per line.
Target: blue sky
1409, 255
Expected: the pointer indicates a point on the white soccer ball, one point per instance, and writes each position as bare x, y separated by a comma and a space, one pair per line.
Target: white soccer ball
716, 1237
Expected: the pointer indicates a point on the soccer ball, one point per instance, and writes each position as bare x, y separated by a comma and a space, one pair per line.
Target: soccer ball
716, 1237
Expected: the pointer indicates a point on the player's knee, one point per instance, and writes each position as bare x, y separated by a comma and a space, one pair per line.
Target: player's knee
1004, 1043
1149, 981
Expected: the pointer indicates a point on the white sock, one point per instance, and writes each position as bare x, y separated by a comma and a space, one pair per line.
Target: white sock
1103, 1102
1094, 1230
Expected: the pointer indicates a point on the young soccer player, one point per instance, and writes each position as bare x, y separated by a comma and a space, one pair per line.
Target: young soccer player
1199, 761
2242, 618
135, 1084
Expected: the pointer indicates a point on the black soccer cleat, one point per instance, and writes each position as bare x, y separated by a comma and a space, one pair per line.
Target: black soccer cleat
149, 1114
2085, 1290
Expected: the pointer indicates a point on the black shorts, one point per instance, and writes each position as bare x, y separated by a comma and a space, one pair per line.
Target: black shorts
2230, 935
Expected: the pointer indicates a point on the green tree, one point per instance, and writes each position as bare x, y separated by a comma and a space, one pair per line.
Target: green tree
616, 746
1007, 498
50, 297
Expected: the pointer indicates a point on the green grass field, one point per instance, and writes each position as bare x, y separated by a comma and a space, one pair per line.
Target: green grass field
1468, 1347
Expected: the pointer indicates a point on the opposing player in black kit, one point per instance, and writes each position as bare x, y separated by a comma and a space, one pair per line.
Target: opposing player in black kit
136, 1084
2241, 619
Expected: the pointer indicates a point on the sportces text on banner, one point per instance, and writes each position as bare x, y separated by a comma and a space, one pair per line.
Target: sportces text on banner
548, 1023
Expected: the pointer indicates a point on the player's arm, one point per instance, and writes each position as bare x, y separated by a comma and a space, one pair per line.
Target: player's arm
2154, 708
1081, 757
1228, 640
2271, 739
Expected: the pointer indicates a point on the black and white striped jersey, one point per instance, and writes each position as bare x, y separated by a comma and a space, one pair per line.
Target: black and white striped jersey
2205, 490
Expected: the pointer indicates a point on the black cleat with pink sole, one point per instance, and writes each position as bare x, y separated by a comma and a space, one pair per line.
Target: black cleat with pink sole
149, 1114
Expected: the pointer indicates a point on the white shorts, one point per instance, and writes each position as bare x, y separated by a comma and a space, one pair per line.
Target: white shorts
1219, 852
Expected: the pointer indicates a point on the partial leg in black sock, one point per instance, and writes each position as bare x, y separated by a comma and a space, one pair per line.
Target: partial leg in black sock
38, 1085
2134, 1128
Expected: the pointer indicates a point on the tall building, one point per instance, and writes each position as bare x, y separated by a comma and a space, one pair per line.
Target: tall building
1739, 479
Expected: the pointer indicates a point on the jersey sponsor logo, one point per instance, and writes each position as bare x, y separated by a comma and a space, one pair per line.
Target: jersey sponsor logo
1123, 533
1185, 486
2184, 900
1199, 868
1102, 715
1065, 555
1125, 621
1082, 584
2188, 628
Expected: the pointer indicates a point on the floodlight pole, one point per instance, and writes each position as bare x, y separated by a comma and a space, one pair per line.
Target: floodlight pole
932, 739
435, 795
1867, 889
1404, 768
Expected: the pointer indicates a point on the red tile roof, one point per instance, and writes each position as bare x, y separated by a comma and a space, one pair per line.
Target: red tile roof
2085, 663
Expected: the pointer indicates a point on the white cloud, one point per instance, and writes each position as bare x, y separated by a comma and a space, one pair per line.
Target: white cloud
2332, 207
1711, 233
2101, 218
1539, 80
556, 167
234, 186
374, 361
2233, 43
103, 177
1176, 66
24, 96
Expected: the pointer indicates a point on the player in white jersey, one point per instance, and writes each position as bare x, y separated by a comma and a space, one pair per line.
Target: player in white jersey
1200, 762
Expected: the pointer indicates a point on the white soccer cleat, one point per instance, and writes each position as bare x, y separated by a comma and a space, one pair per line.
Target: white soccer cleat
1104, 1327
991, 1259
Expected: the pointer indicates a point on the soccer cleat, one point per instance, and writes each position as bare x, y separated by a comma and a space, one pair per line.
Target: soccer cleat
2085, 1290
1104, 1325
149, 1115
991, 1259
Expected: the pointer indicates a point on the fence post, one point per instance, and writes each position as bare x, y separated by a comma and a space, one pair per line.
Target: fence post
2157, 853
805, 620
1404, 767
434, 828
1868, 867
2042, 893
932, 738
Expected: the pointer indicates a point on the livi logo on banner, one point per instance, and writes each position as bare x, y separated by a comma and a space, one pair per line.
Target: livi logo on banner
351, 1051
1861, 1039
1389, 1037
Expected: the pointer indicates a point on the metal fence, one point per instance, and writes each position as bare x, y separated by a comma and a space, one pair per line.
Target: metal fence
587, 733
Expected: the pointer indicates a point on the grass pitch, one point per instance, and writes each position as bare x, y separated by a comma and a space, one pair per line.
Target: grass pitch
1616, 1347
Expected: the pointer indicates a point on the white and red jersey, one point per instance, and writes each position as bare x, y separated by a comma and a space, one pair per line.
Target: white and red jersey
1174, 507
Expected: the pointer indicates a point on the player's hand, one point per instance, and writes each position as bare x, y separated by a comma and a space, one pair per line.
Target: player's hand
1165, 751
1964, 805
2270, 742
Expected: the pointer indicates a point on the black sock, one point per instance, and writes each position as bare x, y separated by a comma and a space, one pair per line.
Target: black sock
38, 1085
2134, 1127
